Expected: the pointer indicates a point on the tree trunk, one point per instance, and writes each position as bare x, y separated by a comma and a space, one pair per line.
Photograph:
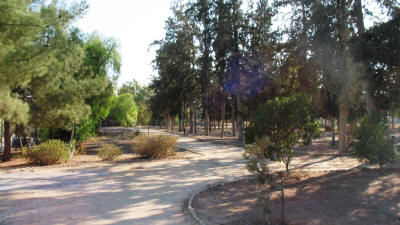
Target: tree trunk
392, 116
333, 132
7, 142
359, 20
223, 119
195, 118
282, 201
233, 116
239, 118
192, 117
206, 122
342, 129
251, 109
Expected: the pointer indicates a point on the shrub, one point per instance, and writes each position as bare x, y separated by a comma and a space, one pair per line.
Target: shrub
257, 156
284, 121
48, 153
137, 132
155, 146
80, 148
372, 144
109, 152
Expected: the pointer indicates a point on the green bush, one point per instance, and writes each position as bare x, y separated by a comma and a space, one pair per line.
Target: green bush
284, 121
109, 152
155, 146
257, 156
372, 144
48, 153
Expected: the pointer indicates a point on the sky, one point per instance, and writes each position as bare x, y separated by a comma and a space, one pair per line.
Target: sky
135, 24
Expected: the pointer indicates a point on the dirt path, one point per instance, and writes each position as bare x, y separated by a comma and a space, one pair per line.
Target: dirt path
128, 193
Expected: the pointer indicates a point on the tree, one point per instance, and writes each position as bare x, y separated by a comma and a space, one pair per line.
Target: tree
30, 31
142, 96
124, 109
101, 64
284, 121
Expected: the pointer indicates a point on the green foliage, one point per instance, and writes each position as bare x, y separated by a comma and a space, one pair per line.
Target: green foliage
48, 153
11, 108
284, 121
372, 144
86, 129
142, 100
109, 152
124, 109
257, 155
155, 146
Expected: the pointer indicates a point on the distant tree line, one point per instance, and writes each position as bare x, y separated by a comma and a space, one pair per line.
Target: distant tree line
221, 59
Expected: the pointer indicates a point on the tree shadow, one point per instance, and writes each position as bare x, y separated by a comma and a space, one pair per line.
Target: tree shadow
339, 197
128, 194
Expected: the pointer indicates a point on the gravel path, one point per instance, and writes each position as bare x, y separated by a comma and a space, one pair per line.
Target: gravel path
128, 193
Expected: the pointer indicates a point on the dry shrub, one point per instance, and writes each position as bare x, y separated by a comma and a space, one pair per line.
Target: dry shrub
109, 152
155, 146
48, 153
80, 148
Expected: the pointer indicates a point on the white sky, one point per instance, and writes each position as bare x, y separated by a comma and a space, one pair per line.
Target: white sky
135, 24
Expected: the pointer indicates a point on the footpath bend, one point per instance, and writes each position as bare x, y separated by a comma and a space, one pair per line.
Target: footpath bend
142, 193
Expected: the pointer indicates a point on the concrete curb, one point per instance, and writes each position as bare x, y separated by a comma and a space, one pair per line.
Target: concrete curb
193, 214
191, 211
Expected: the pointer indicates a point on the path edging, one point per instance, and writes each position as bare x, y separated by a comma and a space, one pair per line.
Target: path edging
192, 213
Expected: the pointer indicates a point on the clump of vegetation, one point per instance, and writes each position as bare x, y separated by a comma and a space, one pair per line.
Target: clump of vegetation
80, 148
124, 109
372, 144
137, 132
48, 153
284, 121
109, 152
257, 155
155, 146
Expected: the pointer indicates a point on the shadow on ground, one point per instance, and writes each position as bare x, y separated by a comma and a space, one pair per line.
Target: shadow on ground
339, 197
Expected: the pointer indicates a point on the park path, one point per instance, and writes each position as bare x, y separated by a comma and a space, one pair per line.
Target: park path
127, 193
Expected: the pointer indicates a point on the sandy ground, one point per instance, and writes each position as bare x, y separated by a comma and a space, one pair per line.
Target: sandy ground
149, 192
131, 192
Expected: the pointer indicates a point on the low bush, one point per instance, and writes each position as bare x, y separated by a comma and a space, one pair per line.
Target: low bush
48, 153
372, 144
155, 146
109, 152
80, 148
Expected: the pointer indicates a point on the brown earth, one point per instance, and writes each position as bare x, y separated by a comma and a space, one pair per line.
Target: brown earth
360, 196
124, 140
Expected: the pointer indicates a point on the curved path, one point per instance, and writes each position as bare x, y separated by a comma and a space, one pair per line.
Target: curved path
123, 193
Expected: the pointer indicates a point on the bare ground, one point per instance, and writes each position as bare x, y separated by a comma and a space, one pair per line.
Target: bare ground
326, 188
132, 190
361, 196
125, 192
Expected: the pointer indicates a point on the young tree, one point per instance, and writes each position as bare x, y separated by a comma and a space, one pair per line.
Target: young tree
284, 121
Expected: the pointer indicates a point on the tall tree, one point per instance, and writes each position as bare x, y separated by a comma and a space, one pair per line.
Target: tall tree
30, 31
